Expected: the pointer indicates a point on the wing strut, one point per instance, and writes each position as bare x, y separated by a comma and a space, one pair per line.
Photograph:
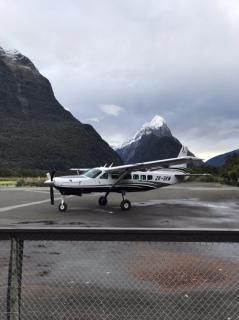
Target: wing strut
123, 174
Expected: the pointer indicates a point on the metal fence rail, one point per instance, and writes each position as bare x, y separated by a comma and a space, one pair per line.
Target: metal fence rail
74, 273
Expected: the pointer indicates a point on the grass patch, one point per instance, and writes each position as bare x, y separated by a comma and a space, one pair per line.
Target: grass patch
22, 182
30, 182
7, 183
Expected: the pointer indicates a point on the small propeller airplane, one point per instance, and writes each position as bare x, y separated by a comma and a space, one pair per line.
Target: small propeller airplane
126, 178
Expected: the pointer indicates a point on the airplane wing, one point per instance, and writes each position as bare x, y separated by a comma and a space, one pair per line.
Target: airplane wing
151, 165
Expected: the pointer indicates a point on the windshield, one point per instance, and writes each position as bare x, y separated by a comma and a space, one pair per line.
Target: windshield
93, 173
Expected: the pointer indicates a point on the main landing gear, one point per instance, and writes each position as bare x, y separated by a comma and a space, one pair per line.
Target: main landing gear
124, 205
103, 201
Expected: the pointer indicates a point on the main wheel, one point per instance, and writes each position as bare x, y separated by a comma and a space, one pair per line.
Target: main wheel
62, 207
102, 201
125, 205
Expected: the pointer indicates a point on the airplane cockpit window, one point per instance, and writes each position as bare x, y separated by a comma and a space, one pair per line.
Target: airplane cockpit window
136, 177
150, 177
93, 173
104, 176
143, 177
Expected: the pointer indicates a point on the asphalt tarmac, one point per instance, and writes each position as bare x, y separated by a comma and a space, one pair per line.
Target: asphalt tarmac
126, 280
188, 205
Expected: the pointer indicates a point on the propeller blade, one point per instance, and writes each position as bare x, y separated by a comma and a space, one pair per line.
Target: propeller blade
52, 195
52, 174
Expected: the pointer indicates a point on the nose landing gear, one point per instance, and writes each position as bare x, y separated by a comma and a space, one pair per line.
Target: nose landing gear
62, 206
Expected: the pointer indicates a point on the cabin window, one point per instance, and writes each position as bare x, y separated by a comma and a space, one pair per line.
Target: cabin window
115, 175
136, 177
149, 177
143, 177
127, 177
93, 173
104, 176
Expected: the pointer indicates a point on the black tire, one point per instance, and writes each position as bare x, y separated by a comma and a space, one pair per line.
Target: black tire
102, 201
62, 207
125, 205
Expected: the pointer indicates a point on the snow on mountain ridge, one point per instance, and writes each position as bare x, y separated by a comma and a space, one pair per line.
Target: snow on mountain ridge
147, 128
14, 59
10, 54
157, 124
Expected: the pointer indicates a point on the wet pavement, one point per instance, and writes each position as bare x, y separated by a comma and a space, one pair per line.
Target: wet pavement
188, 205
126, 280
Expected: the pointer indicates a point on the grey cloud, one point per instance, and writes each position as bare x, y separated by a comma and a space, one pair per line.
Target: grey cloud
178, 59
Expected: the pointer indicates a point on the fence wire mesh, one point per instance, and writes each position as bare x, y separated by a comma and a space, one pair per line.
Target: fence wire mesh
4, 261
125, 280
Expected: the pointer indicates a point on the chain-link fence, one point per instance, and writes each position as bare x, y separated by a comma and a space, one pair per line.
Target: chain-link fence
4, 264
119, 280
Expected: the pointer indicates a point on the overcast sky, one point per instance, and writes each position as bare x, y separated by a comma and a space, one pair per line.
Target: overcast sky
117, 63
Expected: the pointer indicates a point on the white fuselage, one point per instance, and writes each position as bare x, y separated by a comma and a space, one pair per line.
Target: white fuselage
97, 180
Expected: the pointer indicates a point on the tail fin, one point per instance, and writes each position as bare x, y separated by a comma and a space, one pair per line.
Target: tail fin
183, 153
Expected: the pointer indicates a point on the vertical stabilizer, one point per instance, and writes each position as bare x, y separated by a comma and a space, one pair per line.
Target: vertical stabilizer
183, 153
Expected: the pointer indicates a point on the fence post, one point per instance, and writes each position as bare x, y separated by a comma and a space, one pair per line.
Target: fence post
15, 280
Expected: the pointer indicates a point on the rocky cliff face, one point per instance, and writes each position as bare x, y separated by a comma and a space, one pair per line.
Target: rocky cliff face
154, 141
36, 132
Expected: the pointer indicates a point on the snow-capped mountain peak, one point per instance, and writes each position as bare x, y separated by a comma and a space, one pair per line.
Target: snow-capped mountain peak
155, 123
14, 58
156, 126
152, 141
10, 54
147, 128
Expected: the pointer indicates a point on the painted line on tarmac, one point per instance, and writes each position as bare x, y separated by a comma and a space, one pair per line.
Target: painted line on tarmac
25, 190
9, 208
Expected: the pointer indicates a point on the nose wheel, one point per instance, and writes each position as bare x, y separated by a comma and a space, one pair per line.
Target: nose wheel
62, 207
